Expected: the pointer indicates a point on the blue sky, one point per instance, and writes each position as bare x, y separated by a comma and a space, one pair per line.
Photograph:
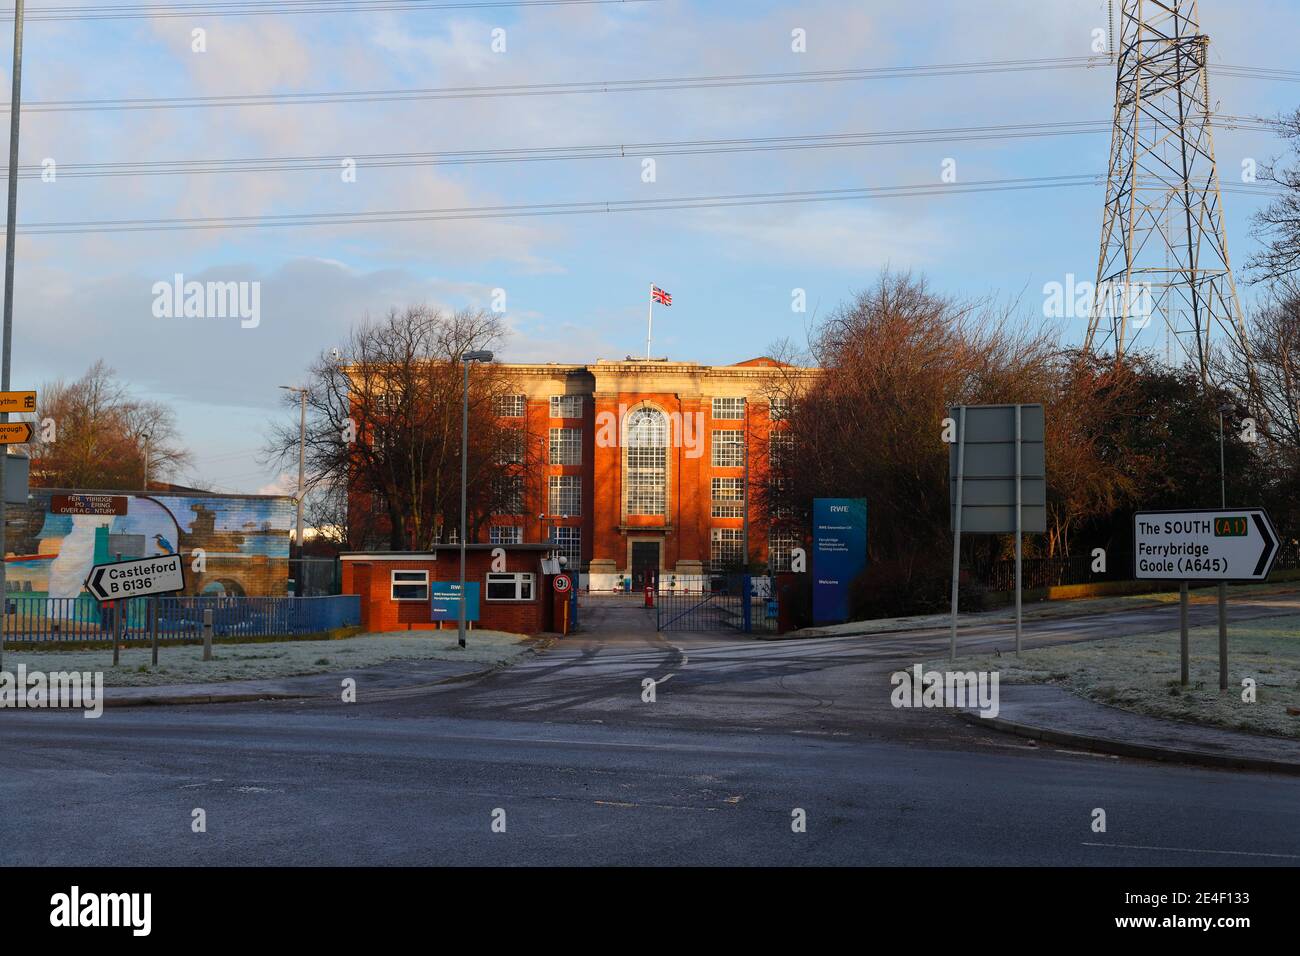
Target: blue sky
576, 285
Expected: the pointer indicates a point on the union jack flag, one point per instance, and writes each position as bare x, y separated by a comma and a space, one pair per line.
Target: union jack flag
660, 296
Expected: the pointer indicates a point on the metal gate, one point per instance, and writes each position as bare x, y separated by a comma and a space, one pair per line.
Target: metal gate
731, 603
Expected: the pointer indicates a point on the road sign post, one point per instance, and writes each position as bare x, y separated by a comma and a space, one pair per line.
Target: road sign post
1184, 669
1219, 545
997, 485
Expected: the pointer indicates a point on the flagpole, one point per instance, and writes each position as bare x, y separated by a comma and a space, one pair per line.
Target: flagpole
650, 321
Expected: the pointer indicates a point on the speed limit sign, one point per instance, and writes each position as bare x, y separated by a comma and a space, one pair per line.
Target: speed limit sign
562, 583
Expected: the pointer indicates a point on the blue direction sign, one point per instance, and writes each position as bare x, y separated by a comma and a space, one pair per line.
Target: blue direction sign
444, 601
839, 554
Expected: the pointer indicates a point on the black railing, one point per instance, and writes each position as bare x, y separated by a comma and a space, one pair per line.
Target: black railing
730, 602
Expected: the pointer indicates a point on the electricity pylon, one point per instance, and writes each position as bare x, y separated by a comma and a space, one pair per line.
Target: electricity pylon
1164, 256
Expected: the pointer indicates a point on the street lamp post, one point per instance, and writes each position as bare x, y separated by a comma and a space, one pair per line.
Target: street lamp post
466, 359
302, 475
1223, 585
11, 226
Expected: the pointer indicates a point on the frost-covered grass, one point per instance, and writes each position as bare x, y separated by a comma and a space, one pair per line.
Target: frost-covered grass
1141, 673
262, 661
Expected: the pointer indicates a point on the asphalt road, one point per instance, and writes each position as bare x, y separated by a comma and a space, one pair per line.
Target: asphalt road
582, 770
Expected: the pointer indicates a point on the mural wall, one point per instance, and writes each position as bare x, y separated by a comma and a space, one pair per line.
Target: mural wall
61, 535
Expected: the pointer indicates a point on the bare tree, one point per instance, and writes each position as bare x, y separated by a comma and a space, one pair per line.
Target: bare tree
385, 419
1278, 224
101, 434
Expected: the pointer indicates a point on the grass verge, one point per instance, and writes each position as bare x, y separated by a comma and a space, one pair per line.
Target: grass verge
1141, 674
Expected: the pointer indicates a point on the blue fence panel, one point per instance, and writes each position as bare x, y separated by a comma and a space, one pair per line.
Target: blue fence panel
82, 618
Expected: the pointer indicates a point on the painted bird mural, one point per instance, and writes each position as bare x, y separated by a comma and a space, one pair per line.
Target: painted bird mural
163, 544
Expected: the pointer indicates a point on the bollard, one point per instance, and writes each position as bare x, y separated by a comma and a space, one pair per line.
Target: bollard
649, 595
117, 630
207, 634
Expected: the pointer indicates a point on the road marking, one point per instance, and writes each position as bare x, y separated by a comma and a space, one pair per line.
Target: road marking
1181, 849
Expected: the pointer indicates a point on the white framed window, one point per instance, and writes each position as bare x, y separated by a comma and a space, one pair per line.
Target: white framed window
725, 547
409, 586
510, 406
729, 408
778, 408
647, 462
568, 542
385, 402
779, 545
565, 498
566, 446
780, 447
512, 448
506, 534
566, 406
510, 587
728, 497
509, 494
728, 448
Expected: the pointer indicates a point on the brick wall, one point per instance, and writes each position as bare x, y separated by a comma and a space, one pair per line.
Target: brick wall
371, 577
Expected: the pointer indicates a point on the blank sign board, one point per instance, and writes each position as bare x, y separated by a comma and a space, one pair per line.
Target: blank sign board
988, 467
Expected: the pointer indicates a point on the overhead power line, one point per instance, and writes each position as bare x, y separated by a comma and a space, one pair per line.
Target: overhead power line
557, 89
247, 8
569, 208
469, 157
651, 84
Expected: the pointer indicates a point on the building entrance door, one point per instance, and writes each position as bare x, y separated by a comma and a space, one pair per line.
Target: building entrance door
645, 564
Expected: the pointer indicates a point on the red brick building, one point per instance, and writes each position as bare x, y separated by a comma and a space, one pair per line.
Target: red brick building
649, 465
640, 470
396, 586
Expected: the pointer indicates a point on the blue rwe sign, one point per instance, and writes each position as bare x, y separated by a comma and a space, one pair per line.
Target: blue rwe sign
839, 554
444, 601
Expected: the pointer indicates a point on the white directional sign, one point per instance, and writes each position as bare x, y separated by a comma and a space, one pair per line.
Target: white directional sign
1218, 545
164, 574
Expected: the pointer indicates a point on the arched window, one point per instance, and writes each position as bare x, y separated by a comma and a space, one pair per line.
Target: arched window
647, 462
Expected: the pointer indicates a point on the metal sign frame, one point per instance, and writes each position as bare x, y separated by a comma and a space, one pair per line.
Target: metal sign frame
956, 485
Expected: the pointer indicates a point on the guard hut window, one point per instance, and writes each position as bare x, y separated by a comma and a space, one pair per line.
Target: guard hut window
410, 586
509, 587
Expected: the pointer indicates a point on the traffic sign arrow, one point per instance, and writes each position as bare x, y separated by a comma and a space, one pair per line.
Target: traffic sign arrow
95, 584
1266, 556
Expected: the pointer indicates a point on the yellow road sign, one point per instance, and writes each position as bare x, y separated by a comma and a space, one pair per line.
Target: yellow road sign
17, 401
15, 433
